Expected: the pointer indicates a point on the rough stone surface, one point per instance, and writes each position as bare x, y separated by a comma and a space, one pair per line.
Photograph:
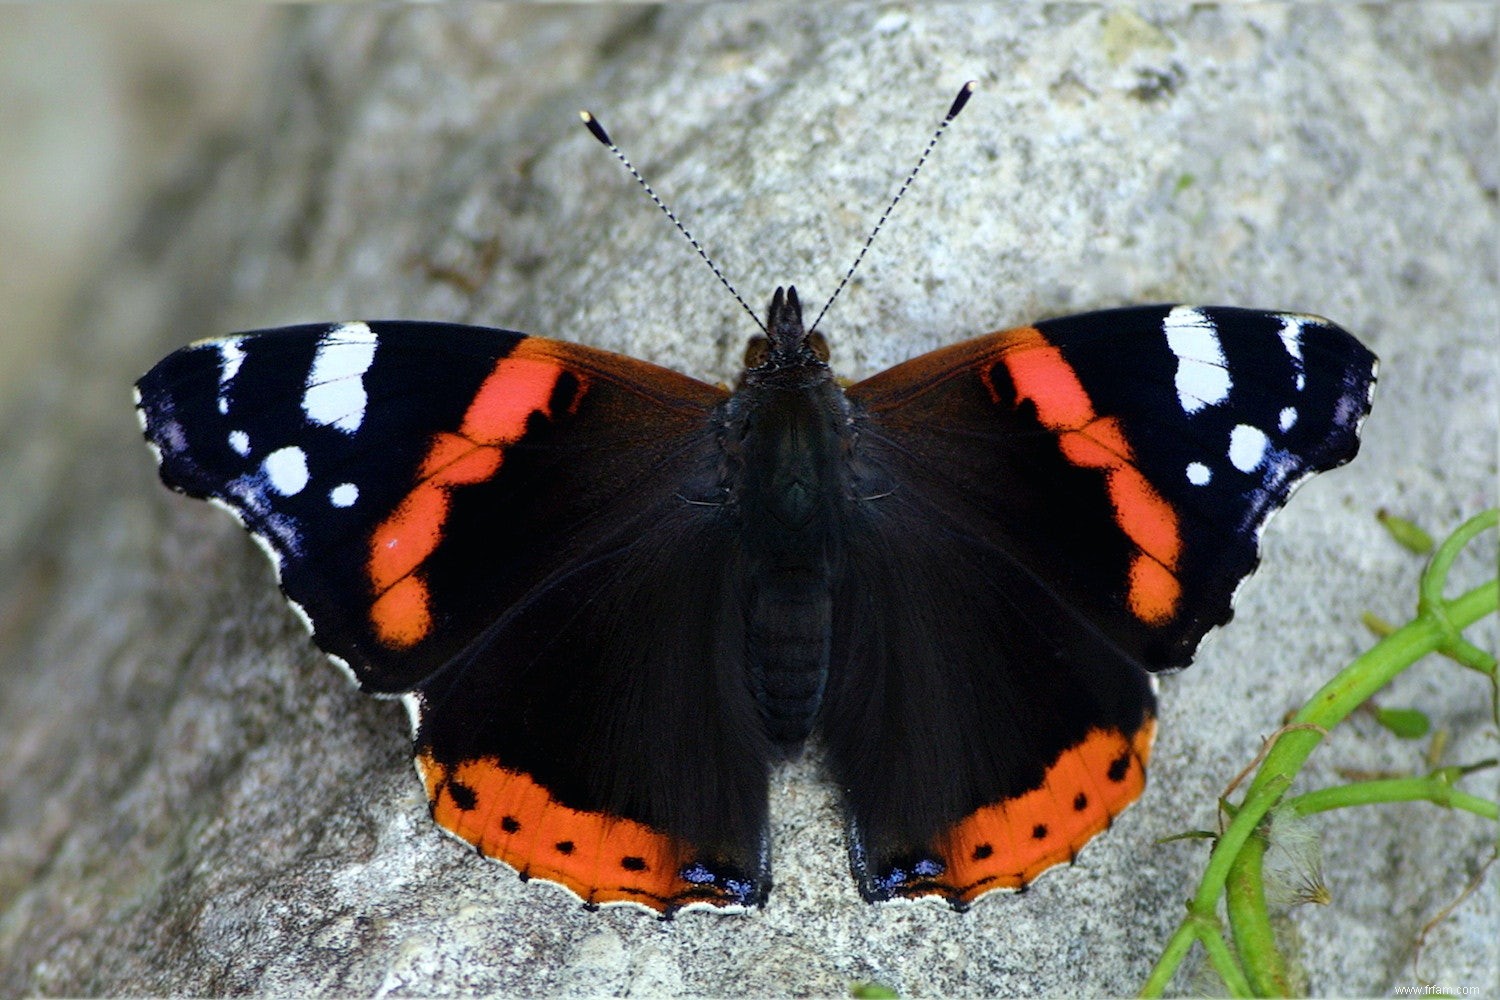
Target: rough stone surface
192, 803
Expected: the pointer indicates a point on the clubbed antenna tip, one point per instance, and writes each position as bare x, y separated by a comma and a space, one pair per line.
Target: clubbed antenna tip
964, 93
598, 130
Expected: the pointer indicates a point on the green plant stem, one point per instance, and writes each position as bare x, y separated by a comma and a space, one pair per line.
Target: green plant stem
1350, 688
1430, 603
1223, 962
1202, 919
1334, 701
1178, 946
1250, 921
1370, 672
1195, 928
1415, 789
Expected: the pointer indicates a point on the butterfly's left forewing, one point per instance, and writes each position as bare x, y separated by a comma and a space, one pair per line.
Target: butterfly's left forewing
1042, 518
502, 528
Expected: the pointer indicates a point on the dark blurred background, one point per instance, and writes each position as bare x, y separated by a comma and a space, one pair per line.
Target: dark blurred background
98, 103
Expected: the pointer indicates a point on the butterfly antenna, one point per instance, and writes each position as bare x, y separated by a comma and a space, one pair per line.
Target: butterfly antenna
598, 132
964, 93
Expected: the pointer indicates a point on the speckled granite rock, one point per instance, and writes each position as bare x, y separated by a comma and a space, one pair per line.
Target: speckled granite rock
193, 803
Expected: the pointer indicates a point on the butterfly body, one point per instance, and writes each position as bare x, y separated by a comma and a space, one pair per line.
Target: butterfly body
614, 597
786, 439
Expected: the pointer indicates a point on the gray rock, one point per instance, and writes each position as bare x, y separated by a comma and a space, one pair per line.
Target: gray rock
193, 803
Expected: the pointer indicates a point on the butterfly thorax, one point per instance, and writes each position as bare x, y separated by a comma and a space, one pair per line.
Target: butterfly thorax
784, 444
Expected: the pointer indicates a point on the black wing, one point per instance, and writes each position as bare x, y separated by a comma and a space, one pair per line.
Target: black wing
502, 528
1046, 516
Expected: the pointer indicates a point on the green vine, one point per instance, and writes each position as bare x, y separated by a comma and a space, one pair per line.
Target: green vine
1255, 966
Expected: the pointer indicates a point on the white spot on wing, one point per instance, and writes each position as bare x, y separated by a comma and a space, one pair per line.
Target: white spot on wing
1202, 378
1291, 335
231, 356
239, 441
1291, 339
335, 392
1247, 447
1199, 474
286, 470
1288, 418
343, 495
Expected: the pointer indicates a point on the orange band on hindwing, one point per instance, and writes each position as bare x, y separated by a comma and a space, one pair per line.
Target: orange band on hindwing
520, 385
1043, 376
1008, 844
602, 859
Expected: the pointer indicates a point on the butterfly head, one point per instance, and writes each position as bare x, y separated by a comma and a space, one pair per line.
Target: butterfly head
787, 343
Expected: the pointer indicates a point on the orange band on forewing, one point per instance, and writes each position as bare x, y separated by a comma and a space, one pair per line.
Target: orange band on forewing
453, 459
408, 536
520, 385
402, 615
1100, 443
1008, 844
1043, 376
600, 858
1154, 591
1145, 517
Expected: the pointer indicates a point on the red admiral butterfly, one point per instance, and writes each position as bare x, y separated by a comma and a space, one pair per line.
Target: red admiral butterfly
613, 597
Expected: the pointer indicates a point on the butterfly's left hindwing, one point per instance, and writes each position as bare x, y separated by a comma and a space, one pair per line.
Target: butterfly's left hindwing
496, 524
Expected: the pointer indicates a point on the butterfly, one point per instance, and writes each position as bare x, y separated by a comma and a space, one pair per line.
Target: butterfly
614, 597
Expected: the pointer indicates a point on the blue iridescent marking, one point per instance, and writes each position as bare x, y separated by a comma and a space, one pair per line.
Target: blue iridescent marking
697, 873
740, 889
899, 877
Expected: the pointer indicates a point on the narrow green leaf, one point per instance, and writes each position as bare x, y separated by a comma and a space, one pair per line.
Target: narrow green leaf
1377, 624
1406, 533
1407, 723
